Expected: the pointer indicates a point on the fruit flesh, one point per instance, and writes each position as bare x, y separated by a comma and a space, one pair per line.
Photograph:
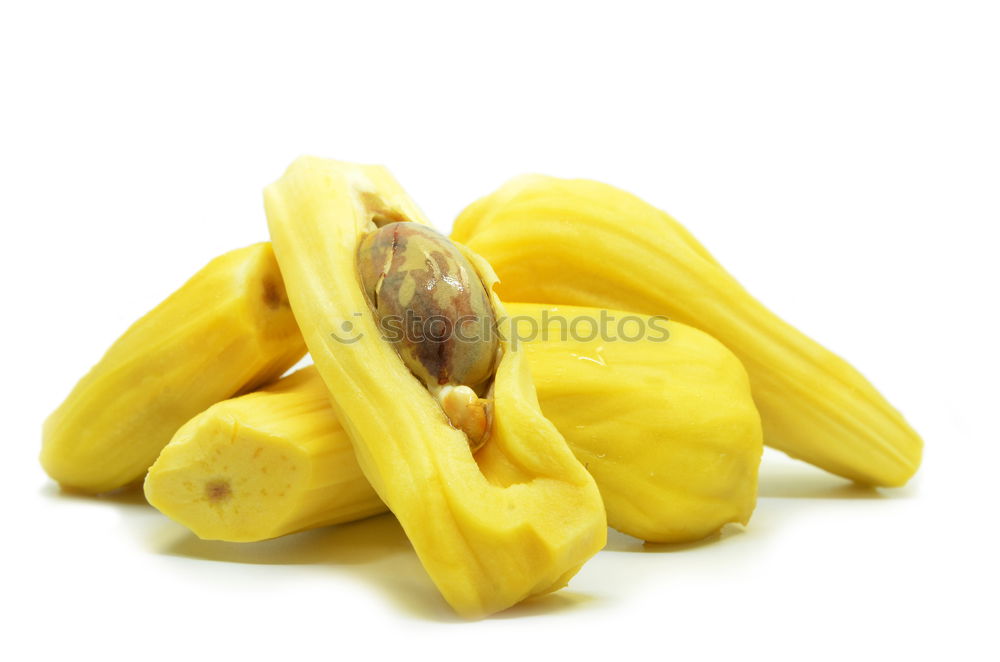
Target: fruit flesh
585, 243
517, 520
668, 430
228, 330
262, 465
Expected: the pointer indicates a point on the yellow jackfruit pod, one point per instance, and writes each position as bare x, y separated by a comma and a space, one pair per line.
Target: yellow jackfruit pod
517, 519
660, 415
586, 243
228, 330
262, 465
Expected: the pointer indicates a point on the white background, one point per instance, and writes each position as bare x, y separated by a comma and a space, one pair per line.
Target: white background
843, 162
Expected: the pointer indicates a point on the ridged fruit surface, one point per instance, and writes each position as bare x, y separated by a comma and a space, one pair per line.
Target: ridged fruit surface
228, 330
518, 519
667, 427
586, 243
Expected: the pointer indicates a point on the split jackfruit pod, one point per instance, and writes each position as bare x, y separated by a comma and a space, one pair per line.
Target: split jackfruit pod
517, 519
665, 424
586, 243
228, 330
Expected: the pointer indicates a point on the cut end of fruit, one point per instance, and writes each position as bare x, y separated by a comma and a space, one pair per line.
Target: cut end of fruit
226, 481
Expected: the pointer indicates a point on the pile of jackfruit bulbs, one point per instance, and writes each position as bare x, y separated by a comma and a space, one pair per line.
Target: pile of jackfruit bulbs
571, 358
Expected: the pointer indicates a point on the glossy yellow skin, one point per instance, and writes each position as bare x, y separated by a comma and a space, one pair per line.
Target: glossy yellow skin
668, 430
586, 243
228, 330
517, 520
